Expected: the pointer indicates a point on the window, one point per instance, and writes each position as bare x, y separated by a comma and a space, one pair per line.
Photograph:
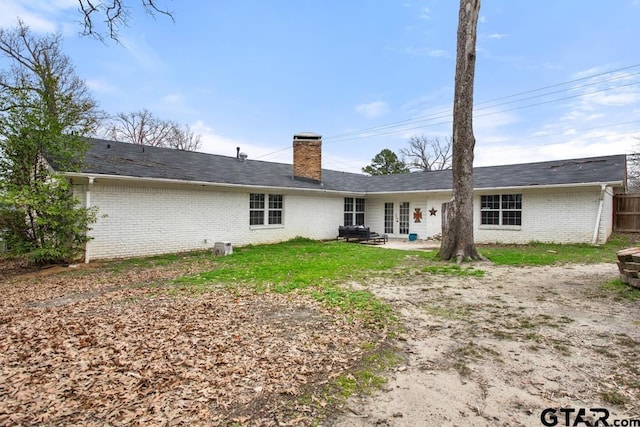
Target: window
275, 208
501, 209
353, 211
258, 209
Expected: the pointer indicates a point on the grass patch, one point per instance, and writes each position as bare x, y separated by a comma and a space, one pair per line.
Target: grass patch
314, 267
536, 253
452, 270
363, 303
158, 260
612, 397
471, 352
368, 377
300, 263
448, 312
620, 291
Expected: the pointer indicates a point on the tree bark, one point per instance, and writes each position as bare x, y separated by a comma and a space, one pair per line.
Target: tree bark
457, 235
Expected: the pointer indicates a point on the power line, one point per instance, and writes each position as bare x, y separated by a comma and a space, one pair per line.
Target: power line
448, 121
446, 113
375, 131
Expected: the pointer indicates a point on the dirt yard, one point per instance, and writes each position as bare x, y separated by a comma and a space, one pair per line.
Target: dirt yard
84, 347
498, 350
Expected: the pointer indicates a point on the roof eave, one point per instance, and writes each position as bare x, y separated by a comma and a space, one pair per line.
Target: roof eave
314, 190
97, 176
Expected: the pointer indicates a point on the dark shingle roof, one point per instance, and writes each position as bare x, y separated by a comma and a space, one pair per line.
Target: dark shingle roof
132, 160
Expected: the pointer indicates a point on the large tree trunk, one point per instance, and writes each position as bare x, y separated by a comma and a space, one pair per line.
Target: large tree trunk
457, 233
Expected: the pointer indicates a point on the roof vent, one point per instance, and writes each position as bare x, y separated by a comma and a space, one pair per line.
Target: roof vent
240, 155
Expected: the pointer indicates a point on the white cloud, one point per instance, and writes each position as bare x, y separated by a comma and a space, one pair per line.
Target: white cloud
215, 143
616, 98
427, 51
492, 120
425, 14
577, 147
100, 86
373, 109
40, 15
497, 36
143, 53
438, 53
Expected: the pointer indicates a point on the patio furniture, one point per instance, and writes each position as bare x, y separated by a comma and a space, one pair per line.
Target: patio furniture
361, 234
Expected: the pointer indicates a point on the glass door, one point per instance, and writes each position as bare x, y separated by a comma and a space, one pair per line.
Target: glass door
388, 218
403, 220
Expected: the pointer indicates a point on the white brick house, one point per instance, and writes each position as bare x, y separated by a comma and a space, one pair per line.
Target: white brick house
154, 200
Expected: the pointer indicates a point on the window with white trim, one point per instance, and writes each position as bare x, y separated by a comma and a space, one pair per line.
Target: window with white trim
353, 211
501, 209
266, 206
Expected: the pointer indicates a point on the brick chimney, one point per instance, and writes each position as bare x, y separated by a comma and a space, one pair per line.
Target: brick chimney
307, 156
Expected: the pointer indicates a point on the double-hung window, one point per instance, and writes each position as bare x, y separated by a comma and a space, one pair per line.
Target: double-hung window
501, 209
267, 207
353, 211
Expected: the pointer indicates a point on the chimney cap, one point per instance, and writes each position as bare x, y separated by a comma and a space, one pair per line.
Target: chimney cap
307, 135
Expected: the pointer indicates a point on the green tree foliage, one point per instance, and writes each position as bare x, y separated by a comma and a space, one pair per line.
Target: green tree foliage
385, 162
44, 111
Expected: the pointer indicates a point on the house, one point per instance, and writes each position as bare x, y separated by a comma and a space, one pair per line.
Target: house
154, 200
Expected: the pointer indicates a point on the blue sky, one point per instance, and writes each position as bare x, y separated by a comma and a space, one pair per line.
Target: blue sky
554, 79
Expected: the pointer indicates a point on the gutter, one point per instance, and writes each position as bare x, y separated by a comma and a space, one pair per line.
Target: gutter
596, 228
199, 183
502, 189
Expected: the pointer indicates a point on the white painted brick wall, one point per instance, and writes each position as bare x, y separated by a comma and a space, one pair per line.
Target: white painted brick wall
136, 221
146, 220
547, 216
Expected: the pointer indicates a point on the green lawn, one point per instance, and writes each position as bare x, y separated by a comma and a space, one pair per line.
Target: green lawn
322, 268
549, 253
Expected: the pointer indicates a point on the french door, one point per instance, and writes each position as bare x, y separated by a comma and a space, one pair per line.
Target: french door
396, 220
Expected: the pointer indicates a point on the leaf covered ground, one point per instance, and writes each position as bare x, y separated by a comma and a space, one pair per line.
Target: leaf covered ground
100, 346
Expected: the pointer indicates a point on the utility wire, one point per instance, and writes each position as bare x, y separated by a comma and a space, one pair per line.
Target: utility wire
445, 113
360, 135
374, 131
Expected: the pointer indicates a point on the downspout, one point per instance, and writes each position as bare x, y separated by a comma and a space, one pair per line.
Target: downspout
596, 229
87, 203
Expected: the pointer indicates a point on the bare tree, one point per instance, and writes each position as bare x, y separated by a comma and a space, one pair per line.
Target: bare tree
633, 169
139, 127
427, 154
114, 14
183, 138
142, 127
457, 215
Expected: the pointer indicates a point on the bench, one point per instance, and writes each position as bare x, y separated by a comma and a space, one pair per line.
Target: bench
360, 234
